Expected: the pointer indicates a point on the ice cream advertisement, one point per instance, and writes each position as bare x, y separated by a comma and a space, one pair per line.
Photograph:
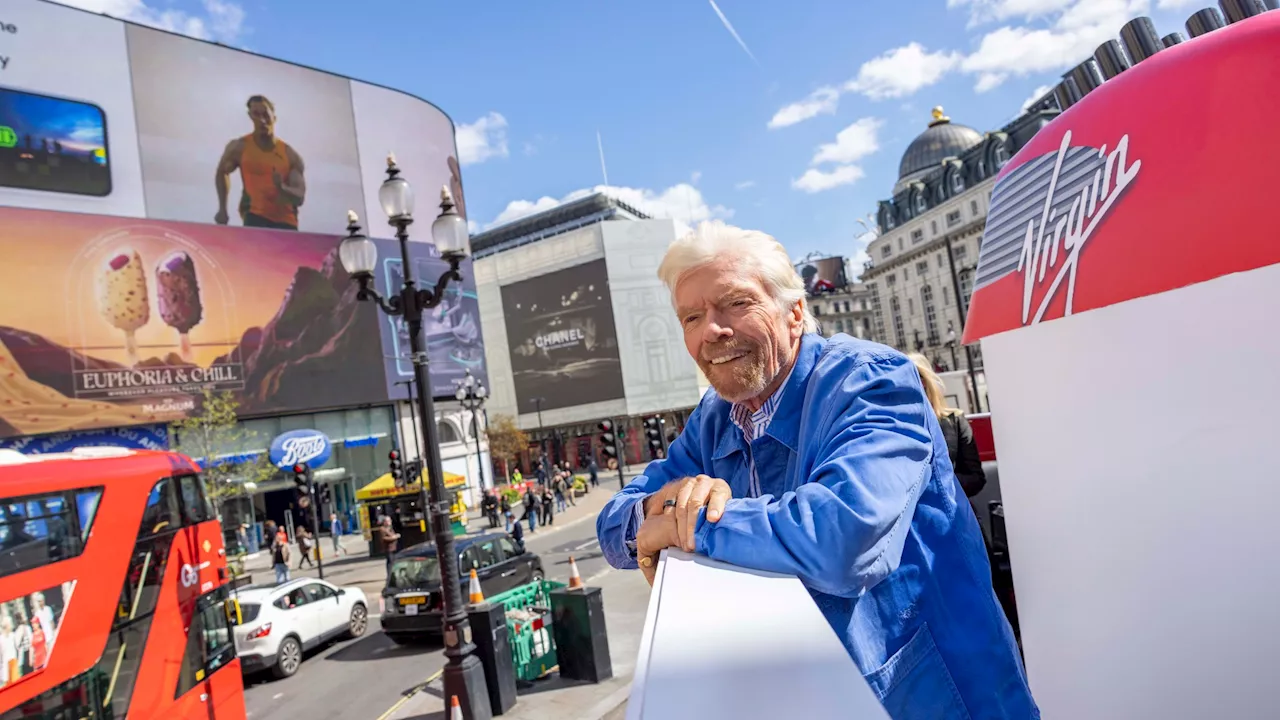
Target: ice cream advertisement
127, 322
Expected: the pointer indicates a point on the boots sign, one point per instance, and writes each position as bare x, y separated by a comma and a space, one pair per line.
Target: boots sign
297, 447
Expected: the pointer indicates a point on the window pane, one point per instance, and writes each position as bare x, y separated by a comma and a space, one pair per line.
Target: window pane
487, 553
86, 509
508, 547
193, 509
209, 642
40, 529
161, 514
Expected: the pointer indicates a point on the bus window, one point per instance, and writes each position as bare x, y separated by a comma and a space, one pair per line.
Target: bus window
209, 642
194, 510
38, 530
161, 514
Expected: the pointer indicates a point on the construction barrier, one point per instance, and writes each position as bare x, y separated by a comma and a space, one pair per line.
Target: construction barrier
528, 612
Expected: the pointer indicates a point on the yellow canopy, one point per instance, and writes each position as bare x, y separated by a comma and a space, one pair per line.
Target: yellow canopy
385, 487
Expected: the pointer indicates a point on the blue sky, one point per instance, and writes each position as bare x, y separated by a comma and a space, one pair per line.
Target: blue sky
794, 127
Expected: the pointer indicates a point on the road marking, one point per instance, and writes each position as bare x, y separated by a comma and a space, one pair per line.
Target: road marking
597, 576
587, 544
277, 696
391, 710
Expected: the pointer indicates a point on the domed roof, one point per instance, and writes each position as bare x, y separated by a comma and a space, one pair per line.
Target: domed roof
943, 139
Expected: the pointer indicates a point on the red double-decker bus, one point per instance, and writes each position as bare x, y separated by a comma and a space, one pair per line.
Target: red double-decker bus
113, 590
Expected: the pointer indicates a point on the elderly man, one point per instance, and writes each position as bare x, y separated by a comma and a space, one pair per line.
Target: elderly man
821, 458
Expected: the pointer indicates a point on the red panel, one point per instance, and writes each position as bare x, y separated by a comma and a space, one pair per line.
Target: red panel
1199, 119
981, 425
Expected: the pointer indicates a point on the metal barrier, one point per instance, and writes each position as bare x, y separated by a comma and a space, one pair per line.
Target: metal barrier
528, 612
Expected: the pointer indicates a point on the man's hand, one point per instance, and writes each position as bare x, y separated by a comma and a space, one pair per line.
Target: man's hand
689, 495
656, 534
220, 217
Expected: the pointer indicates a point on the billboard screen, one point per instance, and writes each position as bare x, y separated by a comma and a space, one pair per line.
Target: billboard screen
165, 144
822, 275
564, 347
451, 330
127, 322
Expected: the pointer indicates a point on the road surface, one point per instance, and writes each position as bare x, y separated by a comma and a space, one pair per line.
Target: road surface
362, 678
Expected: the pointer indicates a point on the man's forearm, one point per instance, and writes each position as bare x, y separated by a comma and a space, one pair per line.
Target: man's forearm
223, 187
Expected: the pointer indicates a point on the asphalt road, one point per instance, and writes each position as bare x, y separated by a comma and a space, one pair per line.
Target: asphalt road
363, 678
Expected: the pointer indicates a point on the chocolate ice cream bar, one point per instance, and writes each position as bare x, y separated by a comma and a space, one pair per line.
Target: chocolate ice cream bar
178, 291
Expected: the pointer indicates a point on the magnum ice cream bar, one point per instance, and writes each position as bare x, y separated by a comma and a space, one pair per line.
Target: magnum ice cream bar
122, 297
178, 291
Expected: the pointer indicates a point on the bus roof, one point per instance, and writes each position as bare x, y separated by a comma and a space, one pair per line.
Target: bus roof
20, 469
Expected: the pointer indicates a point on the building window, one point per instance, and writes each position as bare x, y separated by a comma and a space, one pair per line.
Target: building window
911, 306
446, 433
846, 306
922, 268
957, 184
906, 273
961, 252
891, 280
839, 326
946, 295
930, 314
917, 235
942, 260
886, 251
933, 227
896, 309
900, 243
953, 218
920, 204
973, 206
966, 286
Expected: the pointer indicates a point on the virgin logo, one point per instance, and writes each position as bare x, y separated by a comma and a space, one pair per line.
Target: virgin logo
1094, 200
302, 449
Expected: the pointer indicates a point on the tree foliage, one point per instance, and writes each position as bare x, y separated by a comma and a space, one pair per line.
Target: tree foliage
216, 440
506, 439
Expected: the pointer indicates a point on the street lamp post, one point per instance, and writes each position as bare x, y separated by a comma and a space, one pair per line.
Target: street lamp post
463, 673
542, 440
951, 344
962, 311
471, 394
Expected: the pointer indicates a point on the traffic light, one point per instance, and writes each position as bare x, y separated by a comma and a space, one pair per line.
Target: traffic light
326, 494
302, 478
653, 432
608, 440
397, 468
412, 471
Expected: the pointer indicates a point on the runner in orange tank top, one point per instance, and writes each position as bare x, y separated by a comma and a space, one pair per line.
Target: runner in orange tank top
271, 173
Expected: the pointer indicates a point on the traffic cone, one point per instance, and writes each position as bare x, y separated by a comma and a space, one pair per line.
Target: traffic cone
575, 578
455, 710
477, 596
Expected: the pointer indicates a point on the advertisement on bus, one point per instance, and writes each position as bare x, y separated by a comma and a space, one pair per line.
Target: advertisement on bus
186, 200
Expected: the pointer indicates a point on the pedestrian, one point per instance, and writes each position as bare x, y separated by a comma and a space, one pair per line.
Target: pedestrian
280, 556
489, 506
532, 507
517, 534
390, 540
517, 478
558, 488
335, 534
593, 469
506, 511
305, 543
242, 537
548, 507
961, 446
822, 459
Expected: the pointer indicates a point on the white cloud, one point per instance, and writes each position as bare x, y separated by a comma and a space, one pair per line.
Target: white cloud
473, 227
816, 181
852, 143
981, 11
682, 202
729, 26
1076, 31
745, 185
1177, 4
695, 176
902, 71
1035, 95
483, 139
822, 101
859, 258
222, 20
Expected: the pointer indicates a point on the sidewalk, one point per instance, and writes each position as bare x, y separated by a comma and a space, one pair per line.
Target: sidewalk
626, 600
369, 574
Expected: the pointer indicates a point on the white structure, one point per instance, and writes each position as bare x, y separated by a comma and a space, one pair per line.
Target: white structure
457, 436
772, 656
1136, 418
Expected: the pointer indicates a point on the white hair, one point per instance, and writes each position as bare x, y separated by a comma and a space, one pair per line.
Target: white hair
753, 250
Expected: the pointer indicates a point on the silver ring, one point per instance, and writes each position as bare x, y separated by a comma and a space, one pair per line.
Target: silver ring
669, 503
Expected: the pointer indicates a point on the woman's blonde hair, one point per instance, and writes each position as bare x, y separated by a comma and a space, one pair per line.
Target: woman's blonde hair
933, 386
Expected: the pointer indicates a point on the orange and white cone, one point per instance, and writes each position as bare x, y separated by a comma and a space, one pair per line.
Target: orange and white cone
455, 710
477, 596
575, 578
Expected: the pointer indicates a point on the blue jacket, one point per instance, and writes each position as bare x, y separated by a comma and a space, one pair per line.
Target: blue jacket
858, 500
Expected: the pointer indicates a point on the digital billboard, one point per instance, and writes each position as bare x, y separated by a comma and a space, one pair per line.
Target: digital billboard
822, 275
564, 346
125, 321
204, 160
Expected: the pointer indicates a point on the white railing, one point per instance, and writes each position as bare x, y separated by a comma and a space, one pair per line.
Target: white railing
725, 642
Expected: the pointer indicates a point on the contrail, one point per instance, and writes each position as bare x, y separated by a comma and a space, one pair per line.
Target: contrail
603, 169
729, 26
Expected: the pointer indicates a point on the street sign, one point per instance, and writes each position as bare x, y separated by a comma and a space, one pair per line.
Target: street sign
296, 447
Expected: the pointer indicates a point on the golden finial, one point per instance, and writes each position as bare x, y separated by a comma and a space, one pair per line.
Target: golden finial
939, 117
391, 159
352, 218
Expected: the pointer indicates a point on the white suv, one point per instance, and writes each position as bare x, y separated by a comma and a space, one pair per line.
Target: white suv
280, 623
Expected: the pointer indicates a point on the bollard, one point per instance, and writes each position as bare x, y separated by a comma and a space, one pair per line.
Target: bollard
582, 642
493, 647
